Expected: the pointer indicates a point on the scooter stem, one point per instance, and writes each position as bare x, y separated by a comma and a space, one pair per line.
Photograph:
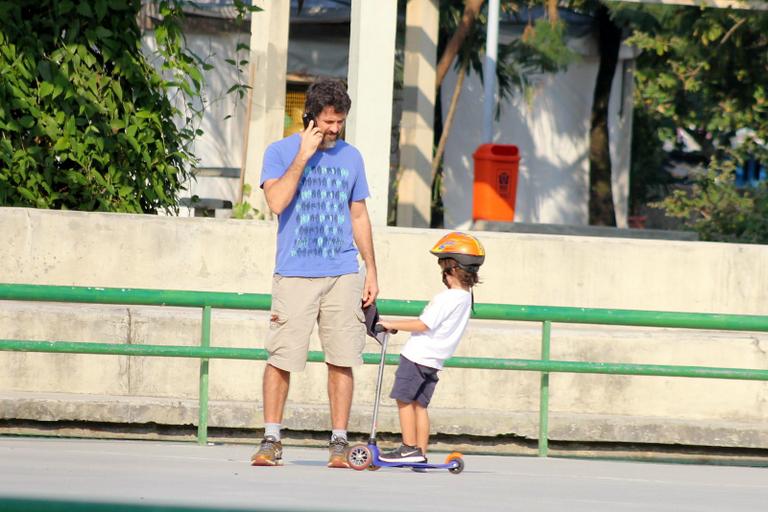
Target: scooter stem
379, 379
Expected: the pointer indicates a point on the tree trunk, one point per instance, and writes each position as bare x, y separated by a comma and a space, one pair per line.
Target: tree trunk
471, 10
601, 210
448, 121
554, 15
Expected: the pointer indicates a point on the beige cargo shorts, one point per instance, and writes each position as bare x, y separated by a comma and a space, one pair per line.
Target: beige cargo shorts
334, 303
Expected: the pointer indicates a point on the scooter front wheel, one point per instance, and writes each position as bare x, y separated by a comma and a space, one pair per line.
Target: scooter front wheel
455, 458
359, 457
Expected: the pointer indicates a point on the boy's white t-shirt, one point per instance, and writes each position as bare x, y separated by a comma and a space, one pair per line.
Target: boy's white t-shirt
447, 316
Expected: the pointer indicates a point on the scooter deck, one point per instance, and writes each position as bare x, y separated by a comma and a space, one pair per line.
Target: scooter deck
361, 457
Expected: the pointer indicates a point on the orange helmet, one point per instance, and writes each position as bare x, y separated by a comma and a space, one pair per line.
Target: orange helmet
465, 249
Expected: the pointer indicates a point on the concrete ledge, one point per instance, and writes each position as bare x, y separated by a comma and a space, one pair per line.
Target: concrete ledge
478, 423
597, 231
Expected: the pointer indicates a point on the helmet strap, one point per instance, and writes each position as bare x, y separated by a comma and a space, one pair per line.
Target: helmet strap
472, 269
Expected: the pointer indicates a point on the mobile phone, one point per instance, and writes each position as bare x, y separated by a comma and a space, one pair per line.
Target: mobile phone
306, 118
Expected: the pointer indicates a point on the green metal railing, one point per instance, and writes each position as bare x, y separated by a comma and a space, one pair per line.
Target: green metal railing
545, 315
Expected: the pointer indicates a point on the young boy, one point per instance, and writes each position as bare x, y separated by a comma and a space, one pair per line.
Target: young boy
435, 336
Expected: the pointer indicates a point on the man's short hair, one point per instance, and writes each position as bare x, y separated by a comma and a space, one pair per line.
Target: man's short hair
327, 92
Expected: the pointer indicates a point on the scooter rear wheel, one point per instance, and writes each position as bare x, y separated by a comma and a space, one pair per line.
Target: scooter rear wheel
359, 457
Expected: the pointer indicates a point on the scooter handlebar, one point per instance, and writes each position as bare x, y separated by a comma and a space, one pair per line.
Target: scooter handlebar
380, 328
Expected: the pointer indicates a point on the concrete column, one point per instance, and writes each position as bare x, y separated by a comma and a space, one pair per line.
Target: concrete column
266, 108
371, 75
416, 129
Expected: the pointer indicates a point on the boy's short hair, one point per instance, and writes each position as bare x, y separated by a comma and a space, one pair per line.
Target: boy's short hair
327, 92
468, 279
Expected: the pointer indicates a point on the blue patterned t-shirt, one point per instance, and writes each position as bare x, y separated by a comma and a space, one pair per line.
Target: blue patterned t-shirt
314, 235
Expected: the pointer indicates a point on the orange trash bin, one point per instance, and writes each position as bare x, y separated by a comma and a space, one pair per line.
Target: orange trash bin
495, 186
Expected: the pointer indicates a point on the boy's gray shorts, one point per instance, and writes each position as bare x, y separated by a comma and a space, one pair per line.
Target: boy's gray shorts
414, 381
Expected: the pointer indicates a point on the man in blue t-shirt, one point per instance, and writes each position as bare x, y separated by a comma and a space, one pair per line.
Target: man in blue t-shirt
315, 183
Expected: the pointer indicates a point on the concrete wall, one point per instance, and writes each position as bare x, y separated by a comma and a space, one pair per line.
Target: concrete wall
134, 251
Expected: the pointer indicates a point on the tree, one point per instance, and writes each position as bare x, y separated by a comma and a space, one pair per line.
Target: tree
460, 32
702, 71
601, 209
609, 36
85, 121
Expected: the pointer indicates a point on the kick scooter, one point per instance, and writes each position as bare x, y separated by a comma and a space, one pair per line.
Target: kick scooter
366, 456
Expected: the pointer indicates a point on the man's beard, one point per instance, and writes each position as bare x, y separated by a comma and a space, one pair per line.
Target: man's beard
328, 142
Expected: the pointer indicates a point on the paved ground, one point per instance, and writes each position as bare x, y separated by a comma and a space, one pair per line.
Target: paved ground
162, 473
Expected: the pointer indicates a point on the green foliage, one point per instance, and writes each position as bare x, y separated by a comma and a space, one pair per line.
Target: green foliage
548, 44
717, 210
85, 121
244, 209
703, 70
649, 181
518, 60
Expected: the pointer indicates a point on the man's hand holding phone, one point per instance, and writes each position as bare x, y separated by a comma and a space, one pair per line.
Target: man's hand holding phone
311, 137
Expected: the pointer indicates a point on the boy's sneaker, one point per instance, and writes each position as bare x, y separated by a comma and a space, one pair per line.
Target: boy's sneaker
404, 453
337, 453
270, 453
421, 470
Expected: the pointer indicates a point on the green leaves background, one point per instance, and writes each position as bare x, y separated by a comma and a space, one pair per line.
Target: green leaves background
85, 121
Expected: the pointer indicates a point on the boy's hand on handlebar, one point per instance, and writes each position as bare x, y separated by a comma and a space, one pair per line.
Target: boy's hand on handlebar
386, 326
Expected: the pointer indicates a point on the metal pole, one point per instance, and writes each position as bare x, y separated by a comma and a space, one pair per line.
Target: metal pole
489, 69
138, 296
487, 363
205, 342
546, 328
386, 306
379, 379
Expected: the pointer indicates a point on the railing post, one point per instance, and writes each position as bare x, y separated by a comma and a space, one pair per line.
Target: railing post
205, 342
546, 328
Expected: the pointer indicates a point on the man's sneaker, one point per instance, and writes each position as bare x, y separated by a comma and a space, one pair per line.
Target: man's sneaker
404, 453
337, 453
270, 453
